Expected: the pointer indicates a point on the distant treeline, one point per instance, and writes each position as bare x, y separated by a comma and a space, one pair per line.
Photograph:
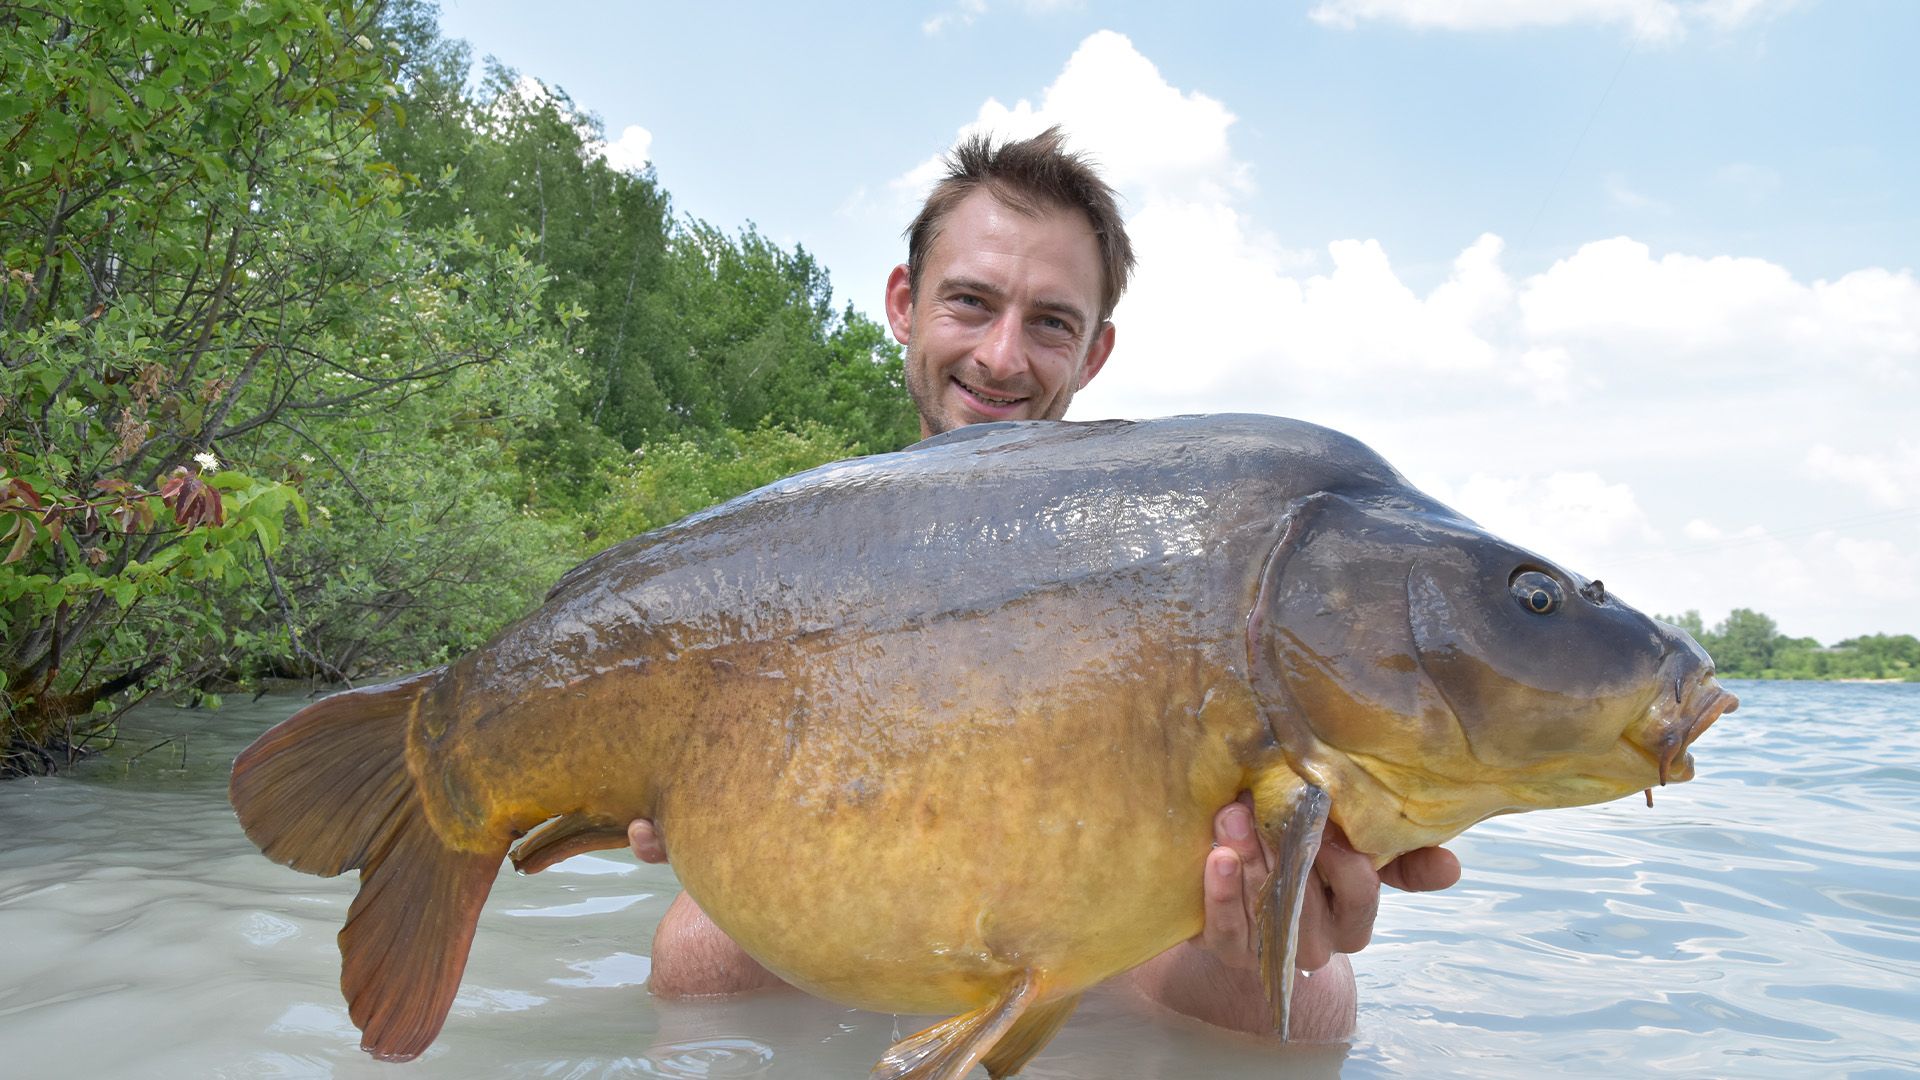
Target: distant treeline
319, 360
1748, 645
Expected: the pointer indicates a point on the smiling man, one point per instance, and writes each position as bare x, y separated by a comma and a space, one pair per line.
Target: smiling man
1013, 269
1005, 299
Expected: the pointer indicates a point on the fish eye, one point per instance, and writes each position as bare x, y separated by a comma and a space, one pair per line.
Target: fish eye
1537, 592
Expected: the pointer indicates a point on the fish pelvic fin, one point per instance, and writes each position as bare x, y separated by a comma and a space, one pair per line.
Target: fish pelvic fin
948, 1049
1292, 814
564, 837
328, 791
1028, 1036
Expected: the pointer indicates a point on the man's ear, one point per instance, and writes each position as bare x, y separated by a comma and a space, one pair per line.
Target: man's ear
1097, 353
900, 303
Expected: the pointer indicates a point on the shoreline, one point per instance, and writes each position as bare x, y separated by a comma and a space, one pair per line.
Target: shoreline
1787, 678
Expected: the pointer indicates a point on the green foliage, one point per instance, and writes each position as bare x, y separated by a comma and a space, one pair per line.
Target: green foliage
316, 362
205, 267
1747, 644
1744, 641
679, 475
684, 329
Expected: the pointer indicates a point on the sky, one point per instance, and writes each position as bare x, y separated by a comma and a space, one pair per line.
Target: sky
1629, 282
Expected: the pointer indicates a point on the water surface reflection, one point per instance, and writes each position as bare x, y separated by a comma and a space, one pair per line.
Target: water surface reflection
1760, 921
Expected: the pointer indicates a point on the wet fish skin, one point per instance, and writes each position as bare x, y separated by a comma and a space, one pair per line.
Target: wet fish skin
944, 731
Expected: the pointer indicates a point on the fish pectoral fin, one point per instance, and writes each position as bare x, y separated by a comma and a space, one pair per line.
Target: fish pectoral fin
1028, 1036
1292, 814
948, 1049
563, 838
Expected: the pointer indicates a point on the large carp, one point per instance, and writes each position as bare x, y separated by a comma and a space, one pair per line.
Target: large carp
944, 730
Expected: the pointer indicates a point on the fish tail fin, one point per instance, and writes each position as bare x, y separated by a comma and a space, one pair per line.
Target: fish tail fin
328, 791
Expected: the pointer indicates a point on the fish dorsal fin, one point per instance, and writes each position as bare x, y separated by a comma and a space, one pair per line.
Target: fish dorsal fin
1292, 814
1028, 1036
948, 1049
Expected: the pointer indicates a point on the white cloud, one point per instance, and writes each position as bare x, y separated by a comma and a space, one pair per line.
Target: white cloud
1149, 138
1574, 518
961, 14
1891, 479
1725, 314
1628, 198
1657, 20
631, 151
1879, 566
1664, 420
965, 12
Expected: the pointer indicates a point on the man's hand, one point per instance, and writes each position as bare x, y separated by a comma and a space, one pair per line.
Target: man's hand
1342, 899
1215, 976
645, 841
691, 957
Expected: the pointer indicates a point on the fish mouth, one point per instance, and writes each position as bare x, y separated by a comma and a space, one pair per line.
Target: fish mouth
1690, 713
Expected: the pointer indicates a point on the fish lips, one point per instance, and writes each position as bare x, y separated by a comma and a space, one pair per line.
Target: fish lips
1693, 712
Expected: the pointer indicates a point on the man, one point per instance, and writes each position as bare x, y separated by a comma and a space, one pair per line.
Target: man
1013, 269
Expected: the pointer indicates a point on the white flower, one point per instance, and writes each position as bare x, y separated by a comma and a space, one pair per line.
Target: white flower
207, 462
323, 512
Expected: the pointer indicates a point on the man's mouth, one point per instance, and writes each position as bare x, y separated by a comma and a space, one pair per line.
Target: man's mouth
985, 398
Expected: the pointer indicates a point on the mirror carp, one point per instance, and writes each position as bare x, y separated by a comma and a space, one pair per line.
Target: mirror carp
944, 730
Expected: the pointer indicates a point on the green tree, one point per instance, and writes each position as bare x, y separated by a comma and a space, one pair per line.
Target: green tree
1689, 622
207, 282
1744, 642
685, 329
679, 475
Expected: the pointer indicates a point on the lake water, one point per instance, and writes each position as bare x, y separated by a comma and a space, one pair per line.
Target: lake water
1761, 921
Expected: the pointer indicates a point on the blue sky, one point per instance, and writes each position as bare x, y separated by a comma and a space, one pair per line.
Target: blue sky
1629, 281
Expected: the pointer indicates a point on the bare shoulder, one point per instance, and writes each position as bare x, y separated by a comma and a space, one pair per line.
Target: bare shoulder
694, 958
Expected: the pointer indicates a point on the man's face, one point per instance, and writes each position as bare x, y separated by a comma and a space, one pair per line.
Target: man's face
1005, 323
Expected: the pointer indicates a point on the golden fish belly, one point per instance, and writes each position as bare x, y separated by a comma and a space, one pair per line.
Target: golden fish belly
1078, 878
907, 853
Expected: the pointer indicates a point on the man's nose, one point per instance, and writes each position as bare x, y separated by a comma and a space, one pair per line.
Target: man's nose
1002, 352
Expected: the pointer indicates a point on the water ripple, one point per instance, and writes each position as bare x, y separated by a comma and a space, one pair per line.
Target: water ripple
1760, 921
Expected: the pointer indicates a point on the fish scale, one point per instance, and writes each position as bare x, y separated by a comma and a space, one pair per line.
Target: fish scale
863, 704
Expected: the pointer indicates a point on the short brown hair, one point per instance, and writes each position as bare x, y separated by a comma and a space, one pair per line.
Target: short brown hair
1029, 176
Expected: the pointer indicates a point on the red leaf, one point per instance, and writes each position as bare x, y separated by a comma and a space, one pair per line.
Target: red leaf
25, 542
23, 491
170, 491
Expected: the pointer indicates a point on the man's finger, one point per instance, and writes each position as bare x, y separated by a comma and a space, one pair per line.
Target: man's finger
1352, 892
1315, 946
1233, 830
1228, 932
645, 841
1425, 870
